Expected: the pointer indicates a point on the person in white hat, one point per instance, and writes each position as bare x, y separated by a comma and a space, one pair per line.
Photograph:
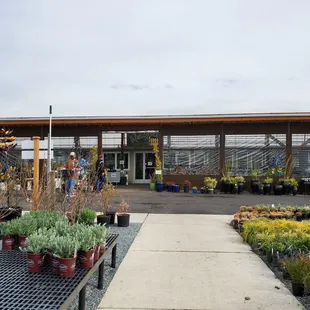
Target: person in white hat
71, 166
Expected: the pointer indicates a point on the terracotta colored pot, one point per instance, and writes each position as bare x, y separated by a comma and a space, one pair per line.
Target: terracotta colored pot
102, 250
67, 267
97, 253
55, 264
35, 262
87, 258
22, 241
8, 242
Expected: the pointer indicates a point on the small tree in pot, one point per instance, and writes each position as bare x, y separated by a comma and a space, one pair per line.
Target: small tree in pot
106, 197
123, 216
294, 185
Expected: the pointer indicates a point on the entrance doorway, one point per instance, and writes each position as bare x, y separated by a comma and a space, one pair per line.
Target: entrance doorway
144, 166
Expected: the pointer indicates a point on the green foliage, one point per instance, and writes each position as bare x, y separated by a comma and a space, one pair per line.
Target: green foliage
226, 179
86, 239
294, 183
210, 182
298, 268
26, 226
239, 179
64, 246
268, 180
87, 216
100, 233
9, 228
36, 243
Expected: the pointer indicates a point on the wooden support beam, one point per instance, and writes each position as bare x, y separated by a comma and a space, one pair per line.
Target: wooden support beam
288, 142
36, 171
222, 151
99, 145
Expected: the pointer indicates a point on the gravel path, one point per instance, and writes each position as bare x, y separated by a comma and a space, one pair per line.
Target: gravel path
93, 295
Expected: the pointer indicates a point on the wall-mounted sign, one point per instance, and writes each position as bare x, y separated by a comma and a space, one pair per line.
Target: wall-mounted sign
122, 162
158, 172
140, 138
149, 163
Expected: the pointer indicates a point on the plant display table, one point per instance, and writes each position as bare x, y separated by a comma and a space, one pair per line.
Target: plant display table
28, 291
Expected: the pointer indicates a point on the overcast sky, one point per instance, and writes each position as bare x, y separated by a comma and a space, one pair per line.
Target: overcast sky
139, 57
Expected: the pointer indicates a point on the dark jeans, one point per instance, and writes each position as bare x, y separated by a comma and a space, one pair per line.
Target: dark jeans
99, 182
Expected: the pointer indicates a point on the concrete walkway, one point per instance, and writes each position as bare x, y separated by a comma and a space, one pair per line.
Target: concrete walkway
194, 262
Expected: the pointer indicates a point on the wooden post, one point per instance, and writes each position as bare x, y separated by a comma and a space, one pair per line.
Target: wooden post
122, 149
99, 146
36, 171
222, 151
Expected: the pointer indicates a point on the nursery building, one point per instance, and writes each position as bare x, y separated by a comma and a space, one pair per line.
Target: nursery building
191, 146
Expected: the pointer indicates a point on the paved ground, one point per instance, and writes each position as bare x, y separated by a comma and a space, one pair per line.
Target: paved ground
194, 262
144, 201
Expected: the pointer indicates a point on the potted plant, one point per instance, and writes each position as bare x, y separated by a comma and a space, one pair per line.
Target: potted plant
159, 185
87, 216
267, 185
87, 246
297, 269
123, 216
255, 183
111, 212
101, 233
152, 182
65, 249
240, 182
294, 186
170, 186
227, 183
286, 185
107, 194
202, 190
8, 231
187, 184
194, 190
35, 247
298, 216
210, 184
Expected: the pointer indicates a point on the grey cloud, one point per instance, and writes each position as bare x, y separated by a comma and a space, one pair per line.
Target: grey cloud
179, 56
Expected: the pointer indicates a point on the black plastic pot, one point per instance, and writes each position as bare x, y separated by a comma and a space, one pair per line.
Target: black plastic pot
267, 189
285, 274
227, 187
104, 219
240, 188
269, 256
255, 185
299, 218
123, 220
234, 189
286, 187
277, 189
294, 191
298, 289
186, 188
112, 217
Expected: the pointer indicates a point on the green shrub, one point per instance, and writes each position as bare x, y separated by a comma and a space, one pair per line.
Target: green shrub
36, 243
64, 246
87, 216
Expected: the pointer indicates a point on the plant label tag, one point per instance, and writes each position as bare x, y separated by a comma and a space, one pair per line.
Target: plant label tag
158, 172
